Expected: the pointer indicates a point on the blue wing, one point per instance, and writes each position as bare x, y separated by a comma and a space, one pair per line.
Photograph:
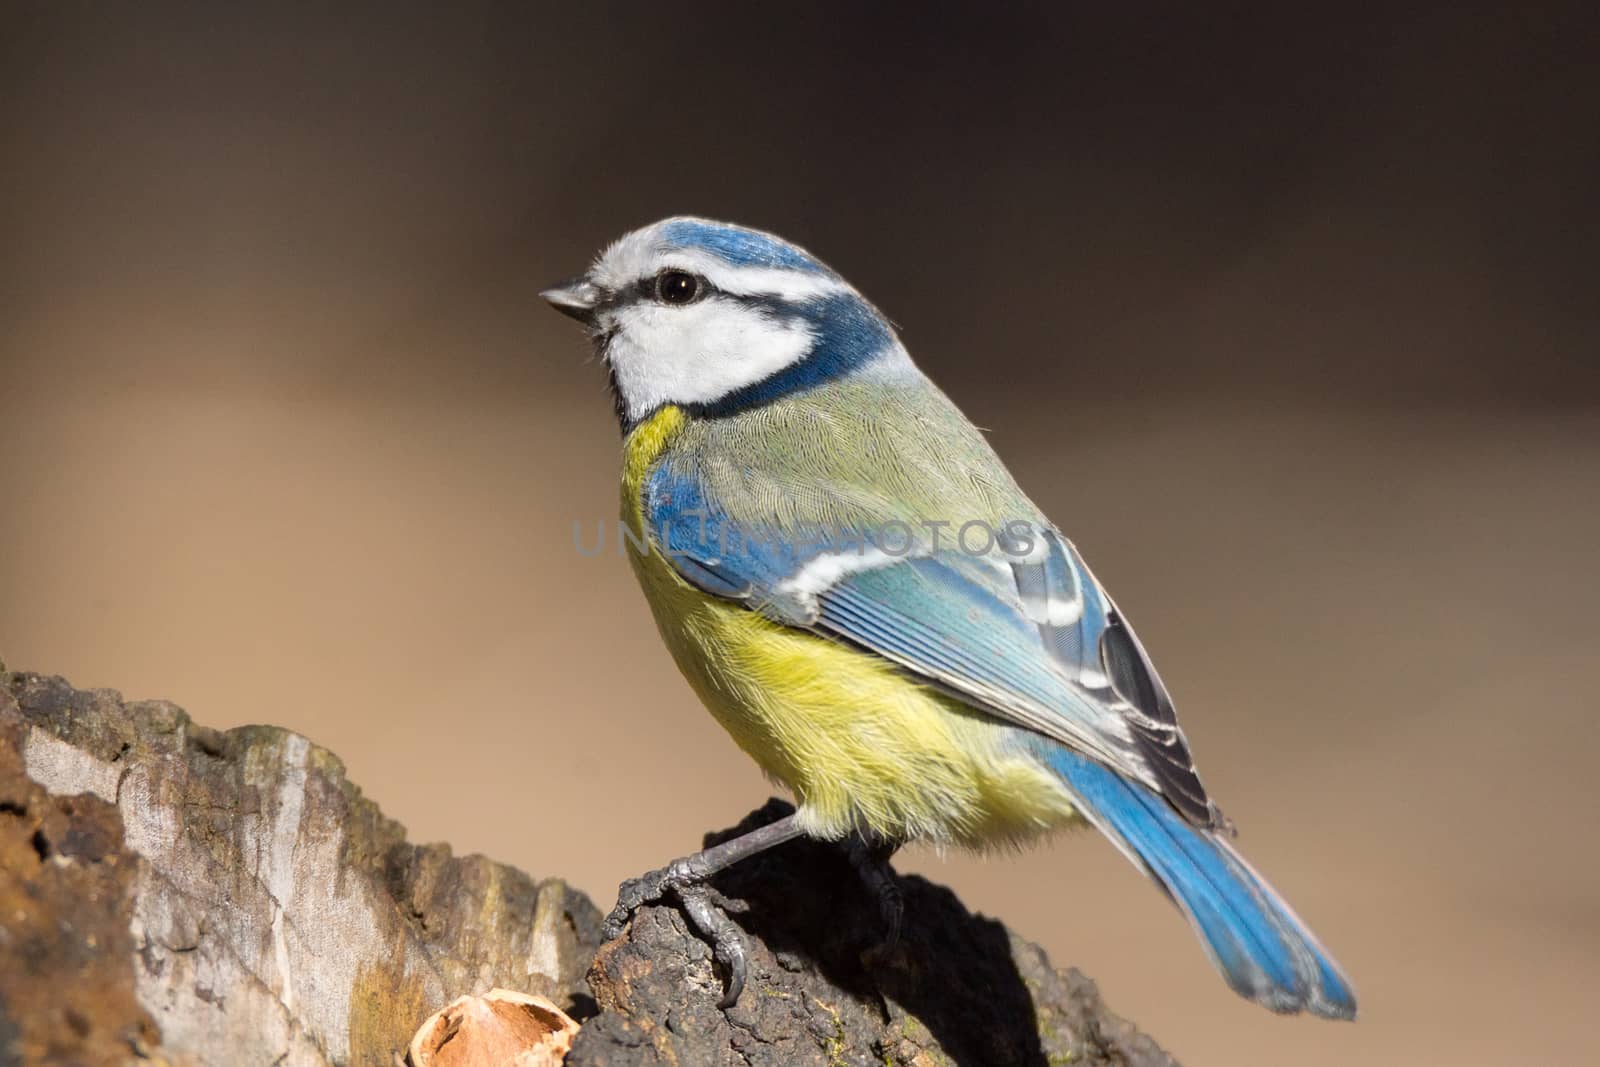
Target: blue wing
1026, 634
1030, 637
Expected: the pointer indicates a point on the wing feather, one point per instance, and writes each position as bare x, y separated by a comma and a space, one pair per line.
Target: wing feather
1029, 637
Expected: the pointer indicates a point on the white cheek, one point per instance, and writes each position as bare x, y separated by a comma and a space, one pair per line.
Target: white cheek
698, 354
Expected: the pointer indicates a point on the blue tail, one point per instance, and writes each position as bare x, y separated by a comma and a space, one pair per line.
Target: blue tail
1262, 949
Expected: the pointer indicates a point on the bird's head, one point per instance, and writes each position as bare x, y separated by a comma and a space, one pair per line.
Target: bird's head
716, 318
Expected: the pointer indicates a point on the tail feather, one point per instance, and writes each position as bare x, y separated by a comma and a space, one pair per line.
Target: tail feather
1259, 945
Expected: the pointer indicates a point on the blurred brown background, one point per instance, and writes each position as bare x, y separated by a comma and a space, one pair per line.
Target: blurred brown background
1289, 319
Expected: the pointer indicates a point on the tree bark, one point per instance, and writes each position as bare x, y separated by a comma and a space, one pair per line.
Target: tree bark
174, 894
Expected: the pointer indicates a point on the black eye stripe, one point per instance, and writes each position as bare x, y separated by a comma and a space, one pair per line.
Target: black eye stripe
643, 290
647, 290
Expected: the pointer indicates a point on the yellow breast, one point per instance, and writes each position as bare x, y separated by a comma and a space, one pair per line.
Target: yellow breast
859, 743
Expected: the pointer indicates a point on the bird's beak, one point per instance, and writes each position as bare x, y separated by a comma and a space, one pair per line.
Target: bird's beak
576, 298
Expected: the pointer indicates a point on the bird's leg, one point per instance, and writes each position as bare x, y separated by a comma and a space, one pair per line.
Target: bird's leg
870, 857
686, 879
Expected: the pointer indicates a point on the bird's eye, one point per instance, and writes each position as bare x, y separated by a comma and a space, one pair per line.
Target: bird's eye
677, 287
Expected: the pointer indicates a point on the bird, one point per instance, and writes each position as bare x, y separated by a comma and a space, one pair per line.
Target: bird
858, 590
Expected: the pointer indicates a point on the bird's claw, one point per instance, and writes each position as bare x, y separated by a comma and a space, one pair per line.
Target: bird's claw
633, 895
726, 943
708, 918
871, 862
892, 907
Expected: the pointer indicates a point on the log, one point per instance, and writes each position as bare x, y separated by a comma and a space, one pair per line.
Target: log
175, 894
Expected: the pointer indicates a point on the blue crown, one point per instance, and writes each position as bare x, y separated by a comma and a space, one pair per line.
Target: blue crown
739, 246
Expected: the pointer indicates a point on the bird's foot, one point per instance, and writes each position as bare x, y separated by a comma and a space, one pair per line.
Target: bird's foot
870, 858
682, 880
686, 880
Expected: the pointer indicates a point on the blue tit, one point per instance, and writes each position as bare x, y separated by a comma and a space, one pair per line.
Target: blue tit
857, 589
